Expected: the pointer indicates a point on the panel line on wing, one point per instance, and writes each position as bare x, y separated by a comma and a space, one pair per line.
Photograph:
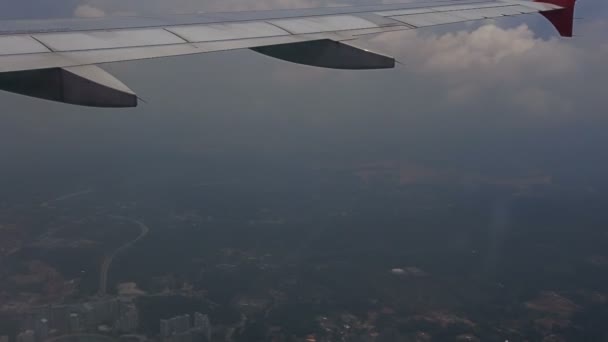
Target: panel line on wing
175, 34
279, 27
323, 24
21, 44
491, 10
454, 16
469, 6
43, 44
227, 31
70, 41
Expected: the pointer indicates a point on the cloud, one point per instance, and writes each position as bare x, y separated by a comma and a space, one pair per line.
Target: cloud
510, 66
88, 11
483, 48
488, 48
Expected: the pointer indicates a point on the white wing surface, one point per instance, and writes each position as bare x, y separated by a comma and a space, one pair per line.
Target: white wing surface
56, 59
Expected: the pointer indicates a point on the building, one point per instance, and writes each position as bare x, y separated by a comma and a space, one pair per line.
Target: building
128, 321
101, 311
200, 320
74, 322
202, 323
165, 328
59, 317
183, 337
179, 324
186, 322
133, 338
41, 329
179, 328
173, 324
26, 336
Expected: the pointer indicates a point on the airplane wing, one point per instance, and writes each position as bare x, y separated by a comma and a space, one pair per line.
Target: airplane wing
56, 59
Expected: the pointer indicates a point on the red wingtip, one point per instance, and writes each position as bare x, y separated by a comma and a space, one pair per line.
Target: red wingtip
562, 19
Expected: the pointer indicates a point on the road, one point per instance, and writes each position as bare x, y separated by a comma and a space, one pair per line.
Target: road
67, 196
107, 261
81, 337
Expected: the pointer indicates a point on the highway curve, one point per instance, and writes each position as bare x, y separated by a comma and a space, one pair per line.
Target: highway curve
108, 259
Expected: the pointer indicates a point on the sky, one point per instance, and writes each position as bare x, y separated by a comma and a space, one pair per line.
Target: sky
503, 96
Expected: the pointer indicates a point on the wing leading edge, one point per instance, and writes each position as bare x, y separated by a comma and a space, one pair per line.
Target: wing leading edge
58, 62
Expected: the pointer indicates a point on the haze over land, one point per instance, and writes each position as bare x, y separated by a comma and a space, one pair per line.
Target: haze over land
460, 195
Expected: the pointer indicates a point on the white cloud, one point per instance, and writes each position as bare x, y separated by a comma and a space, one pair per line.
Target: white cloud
89, 11
508, 65
488, 48
482, 48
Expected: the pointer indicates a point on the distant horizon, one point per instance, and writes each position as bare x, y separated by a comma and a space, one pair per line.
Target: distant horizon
458, 197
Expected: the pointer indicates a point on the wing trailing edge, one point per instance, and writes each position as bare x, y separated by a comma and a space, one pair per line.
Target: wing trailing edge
81, 85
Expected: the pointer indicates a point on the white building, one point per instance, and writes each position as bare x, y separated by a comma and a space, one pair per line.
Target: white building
42, 329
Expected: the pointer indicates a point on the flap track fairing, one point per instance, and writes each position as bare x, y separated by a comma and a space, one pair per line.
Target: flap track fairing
327, 53
81, 85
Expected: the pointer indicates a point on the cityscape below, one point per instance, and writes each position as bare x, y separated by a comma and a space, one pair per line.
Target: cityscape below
458, 197
367, 252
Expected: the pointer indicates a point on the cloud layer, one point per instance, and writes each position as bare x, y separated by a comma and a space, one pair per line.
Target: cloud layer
512, 65
88, 11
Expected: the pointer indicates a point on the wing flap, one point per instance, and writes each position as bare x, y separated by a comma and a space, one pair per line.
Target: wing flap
326, 53
82, 85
